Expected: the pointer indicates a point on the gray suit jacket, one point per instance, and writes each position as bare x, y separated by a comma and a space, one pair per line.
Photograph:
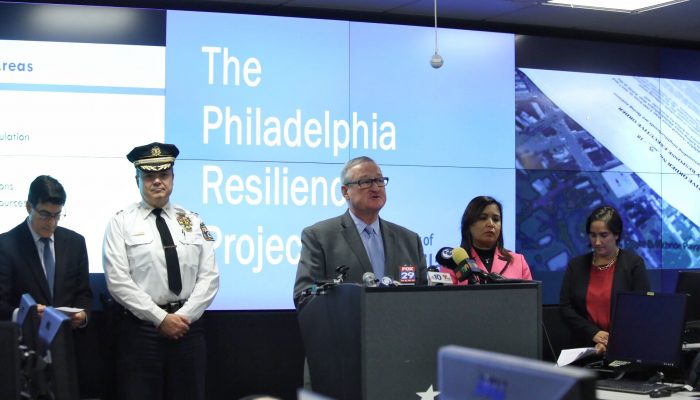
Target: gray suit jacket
334, 242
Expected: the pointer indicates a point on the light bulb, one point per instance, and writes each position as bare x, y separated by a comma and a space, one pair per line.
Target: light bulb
436, 60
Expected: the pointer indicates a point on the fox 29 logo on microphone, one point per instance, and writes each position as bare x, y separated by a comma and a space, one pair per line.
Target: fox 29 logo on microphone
407, 274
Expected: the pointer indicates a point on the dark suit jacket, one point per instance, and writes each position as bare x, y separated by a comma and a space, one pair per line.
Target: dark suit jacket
630, 275
334, 242
21, 271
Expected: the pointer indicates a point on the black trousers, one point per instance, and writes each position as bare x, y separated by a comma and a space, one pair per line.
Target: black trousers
152, 367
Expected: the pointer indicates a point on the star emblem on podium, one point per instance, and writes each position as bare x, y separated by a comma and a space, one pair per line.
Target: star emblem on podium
429, 394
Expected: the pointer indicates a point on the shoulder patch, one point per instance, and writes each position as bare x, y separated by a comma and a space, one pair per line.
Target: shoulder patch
205, 232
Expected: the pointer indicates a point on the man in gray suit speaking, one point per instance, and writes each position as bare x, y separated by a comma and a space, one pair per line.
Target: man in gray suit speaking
359, 239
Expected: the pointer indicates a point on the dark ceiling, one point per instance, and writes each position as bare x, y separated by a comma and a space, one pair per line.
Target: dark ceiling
675, 25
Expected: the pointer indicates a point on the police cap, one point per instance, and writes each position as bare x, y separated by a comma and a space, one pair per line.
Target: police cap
153, 157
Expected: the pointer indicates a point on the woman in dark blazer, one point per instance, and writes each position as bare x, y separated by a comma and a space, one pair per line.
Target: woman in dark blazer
592, 281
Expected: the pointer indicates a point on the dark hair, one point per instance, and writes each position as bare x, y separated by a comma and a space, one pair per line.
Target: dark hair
45, 189
610, 217
471, 214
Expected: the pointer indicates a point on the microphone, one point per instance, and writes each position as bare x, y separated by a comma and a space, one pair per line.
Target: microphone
342, 270
387, 281
465, 266
496, 277
437, 278
493, 277
369, 280
444, 258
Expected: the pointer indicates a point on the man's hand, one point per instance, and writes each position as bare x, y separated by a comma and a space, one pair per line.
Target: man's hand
40, 310
174, 326
77, 320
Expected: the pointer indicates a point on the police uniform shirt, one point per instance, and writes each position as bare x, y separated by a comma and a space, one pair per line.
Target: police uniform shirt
134, 262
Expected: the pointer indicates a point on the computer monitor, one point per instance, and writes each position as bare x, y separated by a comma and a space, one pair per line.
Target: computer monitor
10, 381
689, 283
56, 335
465, 373
647, 329
28, 321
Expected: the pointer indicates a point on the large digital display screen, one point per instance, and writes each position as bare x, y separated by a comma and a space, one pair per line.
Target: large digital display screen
266, 110
585, 140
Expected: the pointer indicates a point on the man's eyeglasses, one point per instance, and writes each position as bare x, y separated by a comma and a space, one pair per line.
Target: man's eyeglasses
45, 215
366, 183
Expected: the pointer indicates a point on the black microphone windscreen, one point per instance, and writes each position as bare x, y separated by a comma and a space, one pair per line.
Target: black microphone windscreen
444, 257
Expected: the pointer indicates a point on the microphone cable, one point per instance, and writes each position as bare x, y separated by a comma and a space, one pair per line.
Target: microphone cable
549, 343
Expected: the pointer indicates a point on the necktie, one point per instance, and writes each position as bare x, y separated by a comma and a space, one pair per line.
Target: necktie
49, 264
171, 260
376, 253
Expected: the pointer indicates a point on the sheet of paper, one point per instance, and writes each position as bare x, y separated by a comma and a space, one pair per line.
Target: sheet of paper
567, 356
69, 310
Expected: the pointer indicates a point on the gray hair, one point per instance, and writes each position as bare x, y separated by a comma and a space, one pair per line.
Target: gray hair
344, 178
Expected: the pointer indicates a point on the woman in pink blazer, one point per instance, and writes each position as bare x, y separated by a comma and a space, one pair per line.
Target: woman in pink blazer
482, 238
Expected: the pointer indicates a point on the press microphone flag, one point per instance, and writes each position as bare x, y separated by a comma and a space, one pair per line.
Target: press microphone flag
437, 278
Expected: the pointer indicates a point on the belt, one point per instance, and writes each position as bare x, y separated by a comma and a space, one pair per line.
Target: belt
173, 306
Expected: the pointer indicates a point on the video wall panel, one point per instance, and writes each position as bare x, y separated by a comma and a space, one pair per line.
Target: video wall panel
266, 110
585, 140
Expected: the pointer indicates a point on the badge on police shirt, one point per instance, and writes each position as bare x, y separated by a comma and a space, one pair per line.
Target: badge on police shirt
205, 232
184, 221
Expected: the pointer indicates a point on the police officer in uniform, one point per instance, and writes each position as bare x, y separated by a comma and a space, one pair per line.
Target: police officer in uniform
159, 265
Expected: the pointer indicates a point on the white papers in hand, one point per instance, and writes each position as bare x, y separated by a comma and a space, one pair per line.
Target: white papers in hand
568, 356
69, 310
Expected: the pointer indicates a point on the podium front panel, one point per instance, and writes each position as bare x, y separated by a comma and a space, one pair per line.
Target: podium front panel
403, 328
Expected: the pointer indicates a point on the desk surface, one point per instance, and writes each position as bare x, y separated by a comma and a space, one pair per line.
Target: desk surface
611, 395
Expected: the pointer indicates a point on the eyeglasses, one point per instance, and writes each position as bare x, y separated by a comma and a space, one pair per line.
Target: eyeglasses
45, 215
366, 183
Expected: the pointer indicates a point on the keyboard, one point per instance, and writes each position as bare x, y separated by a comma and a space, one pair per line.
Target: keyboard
629, 386
618, 363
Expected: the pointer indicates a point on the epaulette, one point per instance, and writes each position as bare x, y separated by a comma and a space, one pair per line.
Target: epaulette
181, 210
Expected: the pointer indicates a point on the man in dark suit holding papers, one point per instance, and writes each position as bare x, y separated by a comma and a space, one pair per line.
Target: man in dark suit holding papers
43, 259
359, 239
